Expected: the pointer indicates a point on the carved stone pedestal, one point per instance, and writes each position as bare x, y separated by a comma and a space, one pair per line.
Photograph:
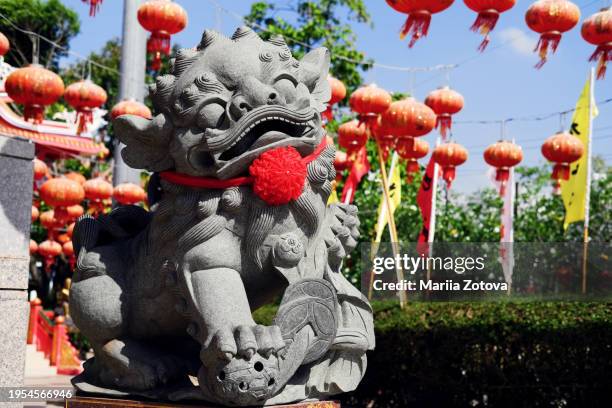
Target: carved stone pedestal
86, 402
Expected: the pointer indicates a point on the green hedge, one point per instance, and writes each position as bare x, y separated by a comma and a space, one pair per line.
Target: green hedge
515, 354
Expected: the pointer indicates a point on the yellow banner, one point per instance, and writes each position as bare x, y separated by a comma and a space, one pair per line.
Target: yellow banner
575, 190
395, 194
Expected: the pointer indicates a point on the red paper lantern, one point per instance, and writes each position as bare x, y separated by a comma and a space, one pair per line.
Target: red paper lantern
34, 87
449, 155
411, 149
74, 211
94, 6
5, 46
419, 15
61, 193
445, 102
97, 191
48, 221
408, 118
488, 14
338, 90
550, 19
68, 250
84, 97
128, 193
130, 107
49, 250
341, 161
35, 213
162, 18
74, 176
369, 101
33, 247
352, 136
562, 149
40, 169
597, 30
503, 155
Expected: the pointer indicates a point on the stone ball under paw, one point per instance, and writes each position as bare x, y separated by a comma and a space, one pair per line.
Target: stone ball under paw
241, 382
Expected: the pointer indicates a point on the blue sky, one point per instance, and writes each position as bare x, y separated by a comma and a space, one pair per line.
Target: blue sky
499, 83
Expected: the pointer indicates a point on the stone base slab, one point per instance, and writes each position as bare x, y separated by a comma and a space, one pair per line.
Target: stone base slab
88, 402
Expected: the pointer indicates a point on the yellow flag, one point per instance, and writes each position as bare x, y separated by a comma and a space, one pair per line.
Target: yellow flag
395, 194
333, 197
575, 191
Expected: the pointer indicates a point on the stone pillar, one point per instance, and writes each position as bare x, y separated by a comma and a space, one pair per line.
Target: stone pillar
16, 173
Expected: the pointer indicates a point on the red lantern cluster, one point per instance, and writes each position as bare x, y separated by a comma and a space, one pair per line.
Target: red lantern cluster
162, 18
445, 102
62, 193
550, 19
84, 97
419, 16
562, 149
97, 191
503, 155
449, 156
488, 15
128, 193
34, 87
130, 107
597, 30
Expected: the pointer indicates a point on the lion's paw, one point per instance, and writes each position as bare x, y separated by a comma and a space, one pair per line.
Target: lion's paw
244, 341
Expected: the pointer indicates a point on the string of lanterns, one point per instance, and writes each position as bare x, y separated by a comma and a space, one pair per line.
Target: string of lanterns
548, 18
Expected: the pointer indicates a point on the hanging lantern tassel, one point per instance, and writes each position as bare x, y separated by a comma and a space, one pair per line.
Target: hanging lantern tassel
94, 6
561, 171
34, 113
603, 55
502, 175
158, 44
448, 174
444, 122
417, 23
412, 168
548, 41
485, 23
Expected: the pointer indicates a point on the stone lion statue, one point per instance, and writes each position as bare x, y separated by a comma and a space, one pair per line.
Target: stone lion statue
239, 219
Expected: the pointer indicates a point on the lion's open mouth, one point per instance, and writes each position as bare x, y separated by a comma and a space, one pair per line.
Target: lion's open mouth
265, 131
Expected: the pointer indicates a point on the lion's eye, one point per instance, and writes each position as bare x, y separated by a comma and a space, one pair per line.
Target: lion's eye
286, 87
211, 115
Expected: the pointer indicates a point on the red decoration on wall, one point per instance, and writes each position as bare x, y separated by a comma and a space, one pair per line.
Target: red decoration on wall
84, 97
419, 16
488, 15
34, 87
162, 18
562, 149
550, 19
445, 102
597, 30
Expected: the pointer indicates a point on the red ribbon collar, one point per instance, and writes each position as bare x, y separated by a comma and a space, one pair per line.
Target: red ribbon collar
282, 165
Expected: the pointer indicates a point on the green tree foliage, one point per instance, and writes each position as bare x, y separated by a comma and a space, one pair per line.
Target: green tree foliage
307, 24
50, 19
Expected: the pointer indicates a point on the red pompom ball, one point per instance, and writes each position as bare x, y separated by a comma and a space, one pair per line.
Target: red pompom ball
278, 175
